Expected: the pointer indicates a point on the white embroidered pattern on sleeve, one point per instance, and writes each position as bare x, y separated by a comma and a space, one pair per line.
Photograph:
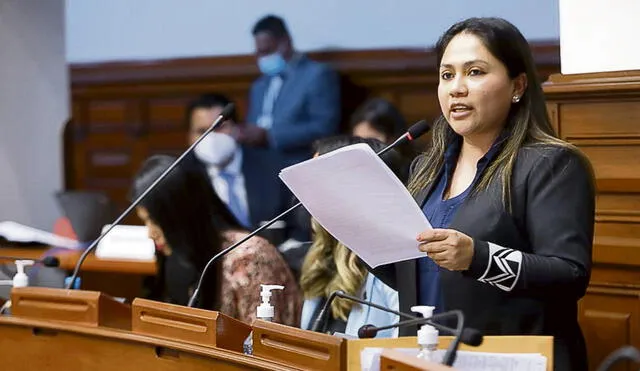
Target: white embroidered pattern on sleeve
504, 267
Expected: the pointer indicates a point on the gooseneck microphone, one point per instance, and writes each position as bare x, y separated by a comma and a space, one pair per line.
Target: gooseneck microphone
415, 131
47, 261
626, 353
366, 331
224, 115
468, 336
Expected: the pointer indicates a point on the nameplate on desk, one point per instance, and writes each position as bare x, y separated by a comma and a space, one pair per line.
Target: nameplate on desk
192, 325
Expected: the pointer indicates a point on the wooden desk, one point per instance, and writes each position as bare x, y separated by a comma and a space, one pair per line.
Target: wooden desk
119, 278
491, 344
40, 345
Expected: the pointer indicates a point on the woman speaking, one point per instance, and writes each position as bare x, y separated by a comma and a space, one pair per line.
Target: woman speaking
512, 206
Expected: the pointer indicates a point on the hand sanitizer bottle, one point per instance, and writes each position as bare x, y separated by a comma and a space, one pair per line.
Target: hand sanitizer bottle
265, 312
21, 279
427, 335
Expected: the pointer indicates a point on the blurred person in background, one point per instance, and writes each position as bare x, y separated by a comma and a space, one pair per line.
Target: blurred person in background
189, 225
330, 266
296, 100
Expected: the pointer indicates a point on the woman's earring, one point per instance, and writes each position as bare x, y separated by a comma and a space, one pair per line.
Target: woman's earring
515, 99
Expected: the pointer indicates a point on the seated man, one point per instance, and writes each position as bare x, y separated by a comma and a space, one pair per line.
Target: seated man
245, 180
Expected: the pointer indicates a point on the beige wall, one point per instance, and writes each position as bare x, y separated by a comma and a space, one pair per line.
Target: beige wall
34, 104
100, 30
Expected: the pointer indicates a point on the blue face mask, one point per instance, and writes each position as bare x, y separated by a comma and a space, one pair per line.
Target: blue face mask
272, 64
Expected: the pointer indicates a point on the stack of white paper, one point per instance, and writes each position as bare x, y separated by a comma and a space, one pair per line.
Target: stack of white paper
359, 200
129, 242
16, 232
468, 361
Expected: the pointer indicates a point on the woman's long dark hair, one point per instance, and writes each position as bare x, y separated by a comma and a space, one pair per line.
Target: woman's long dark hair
528, 122
191, 217
382, 116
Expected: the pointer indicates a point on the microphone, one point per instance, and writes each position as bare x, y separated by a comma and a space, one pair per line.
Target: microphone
48, 261
366, 331
415, 131
468, 336
626, 353
224, 115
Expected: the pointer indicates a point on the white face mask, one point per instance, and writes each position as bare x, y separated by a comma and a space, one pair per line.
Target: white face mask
216, 149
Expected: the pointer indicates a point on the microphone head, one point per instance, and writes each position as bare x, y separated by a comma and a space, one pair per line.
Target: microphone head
471, 337
367, 332
227, 111
51, 261
418, 129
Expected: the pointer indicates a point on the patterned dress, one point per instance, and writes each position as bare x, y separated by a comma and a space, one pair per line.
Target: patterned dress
253, 263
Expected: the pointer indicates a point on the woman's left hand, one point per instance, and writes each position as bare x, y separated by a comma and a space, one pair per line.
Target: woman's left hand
448, 248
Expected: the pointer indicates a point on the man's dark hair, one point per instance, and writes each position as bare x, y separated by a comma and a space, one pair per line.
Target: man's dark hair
273, 25
207, 101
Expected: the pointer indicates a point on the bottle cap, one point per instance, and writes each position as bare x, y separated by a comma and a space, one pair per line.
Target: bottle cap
427, 335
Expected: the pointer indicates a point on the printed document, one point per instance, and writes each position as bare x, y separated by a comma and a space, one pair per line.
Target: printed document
354, 195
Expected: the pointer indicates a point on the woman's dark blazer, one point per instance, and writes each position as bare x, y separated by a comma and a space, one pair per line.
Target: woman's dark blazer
531, 265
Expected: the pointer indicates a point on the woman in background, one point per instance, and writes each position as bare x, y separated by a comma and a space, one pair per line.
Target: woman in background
190, 224
330, 266
377, 118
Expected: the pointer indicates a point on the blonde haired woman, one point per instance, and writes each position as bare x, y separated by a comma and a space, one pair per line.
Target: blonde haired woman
330, 266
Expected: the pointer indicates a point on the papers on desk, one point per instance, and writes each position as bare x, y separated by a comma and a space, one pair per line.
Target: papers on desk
468, 361
354, 195
16, 232
127, 242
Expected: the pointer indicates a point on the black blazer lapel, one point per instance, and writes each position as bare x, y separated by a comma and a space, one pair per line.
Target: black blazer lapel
406, 279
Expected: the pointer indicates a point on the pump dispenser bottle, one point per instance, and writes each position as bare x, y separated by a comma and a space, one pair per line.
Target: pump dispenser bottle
21, 279
265, 312
427, 335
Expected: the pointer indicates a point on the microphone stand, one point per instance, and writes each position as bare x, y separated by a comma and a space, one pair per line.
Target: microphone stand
226, 111
414, 131
320, 320
450, 355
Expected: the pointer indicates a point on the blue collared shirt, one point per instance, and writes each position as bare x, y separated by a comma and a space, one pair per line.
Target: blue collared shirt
375, 291
440, 213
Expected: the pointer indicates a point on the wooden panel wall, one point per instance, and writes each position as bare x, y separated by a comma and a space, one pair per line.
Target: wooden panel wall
600, 113
124, 112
